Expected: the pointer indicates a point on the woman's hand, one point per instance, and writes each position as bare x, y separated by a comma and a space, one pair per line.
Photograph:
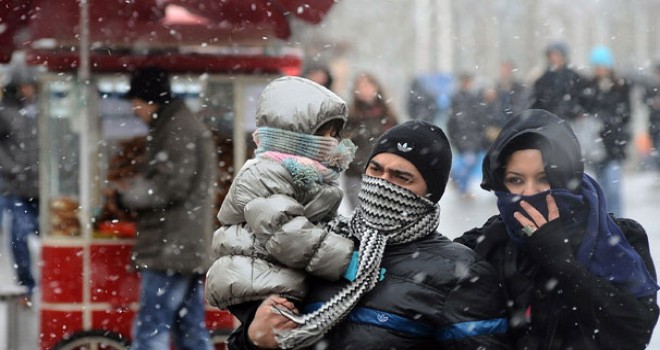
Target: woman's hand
537, 221
267, 323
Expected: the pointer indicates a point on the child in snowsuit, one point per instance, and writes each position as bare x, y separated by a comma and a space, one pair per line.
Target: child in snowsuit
273, 216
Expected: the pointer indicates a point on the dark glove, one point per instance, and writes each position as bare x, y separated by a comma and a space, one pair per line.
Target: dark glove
550, 247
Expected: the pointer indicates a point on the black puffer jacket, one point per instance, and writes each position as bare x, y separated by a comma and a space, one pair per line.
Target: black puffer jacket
610, 103
559, 92
432, 287
581, 311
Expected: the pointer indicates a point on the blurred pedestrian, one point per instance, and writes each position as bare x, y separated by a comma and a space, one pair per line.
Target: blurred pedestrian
607, 98
320, 74
466, 131
369, 116
575, 277
422, 104
172, 195
281, 199
652, 101
493, 113
558, 90
19, 171
514, 96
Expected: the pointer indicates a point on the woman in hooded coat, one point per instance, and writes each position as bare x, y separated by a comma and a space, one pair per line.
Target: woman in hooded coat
575, 277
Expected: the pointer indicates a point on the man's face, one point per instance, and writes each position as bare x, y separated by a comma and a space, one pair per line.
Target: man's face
397, 170
28, 91
143, 109
556, 59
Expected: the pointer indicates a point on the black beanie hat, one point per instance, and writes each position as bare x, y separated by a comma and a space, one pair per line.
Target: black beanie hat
150, 84
424, 145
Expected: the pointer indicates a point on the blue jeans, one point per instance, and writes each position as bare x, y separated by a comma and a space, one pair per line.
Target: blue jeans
170, 303
24, 214
609, 177
465, 167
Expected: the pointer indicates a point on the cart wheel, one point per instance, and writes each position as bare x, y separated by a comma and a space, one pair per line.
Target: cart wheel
93, 340
219, 338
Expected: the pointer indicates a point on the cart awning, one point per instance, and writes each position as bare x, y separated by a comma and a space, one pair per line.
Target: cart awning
50, 29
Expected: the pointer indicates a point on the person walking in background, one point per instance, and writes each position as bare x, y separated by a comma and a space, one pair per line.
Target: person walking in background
281, 199
172, 195
493, 113
369, 116
514, 96
414, 288
606, 97
575, 277
422, 104
559, 89
19, 172
320, 74
652, 101
465, 128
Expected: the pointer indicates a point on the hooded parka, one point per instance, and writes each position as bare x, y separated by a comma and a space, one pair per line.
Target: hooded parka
554, 302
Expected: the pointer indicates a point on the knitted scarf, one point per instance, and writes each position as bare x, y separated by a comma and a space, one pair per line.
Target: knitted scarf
308, 158
386, 214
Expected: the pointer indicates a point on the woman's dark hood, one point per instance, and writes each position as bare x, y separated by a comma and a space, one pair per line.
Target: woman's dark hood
542, 130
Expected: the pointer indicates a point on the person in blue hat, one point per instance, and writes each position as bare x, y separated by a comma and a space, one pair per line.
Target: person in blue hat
606, 97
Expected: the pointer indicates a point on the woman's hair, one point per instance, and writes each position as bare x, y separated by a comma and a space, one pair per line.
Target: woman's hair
380, 101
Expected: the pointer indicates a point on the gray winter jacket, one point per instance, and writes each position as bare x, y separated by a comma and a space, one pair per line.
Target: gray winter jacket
174, 193
271, 236
19, 149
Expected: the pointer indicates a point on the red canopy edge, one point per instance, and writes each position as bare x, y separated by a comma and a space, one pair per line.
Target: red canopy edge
152, 24
176, 62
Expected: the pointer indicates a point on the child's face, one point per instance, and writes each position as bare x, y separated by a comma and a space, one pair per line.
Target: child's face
329, 130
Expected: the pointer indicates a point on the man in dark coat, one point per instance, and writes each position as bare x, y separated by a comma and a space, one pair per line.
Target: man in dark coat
19, 172
466, 129
558, 90
173, 196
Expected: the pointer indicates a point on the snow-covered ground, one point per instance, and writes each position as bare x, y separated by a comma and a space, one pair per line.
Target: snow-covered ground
642, 203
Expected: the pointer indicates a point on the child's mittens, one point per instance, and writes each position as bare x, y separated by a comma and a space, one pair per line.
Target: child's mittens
352, 269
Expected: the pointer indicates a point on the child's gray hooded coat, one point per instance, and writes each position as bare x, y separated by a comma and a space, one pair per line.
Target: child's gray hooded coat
269, 240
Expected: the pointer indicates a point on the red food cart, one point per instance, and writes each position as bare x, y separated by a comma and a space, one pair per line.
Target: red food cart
220, 54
